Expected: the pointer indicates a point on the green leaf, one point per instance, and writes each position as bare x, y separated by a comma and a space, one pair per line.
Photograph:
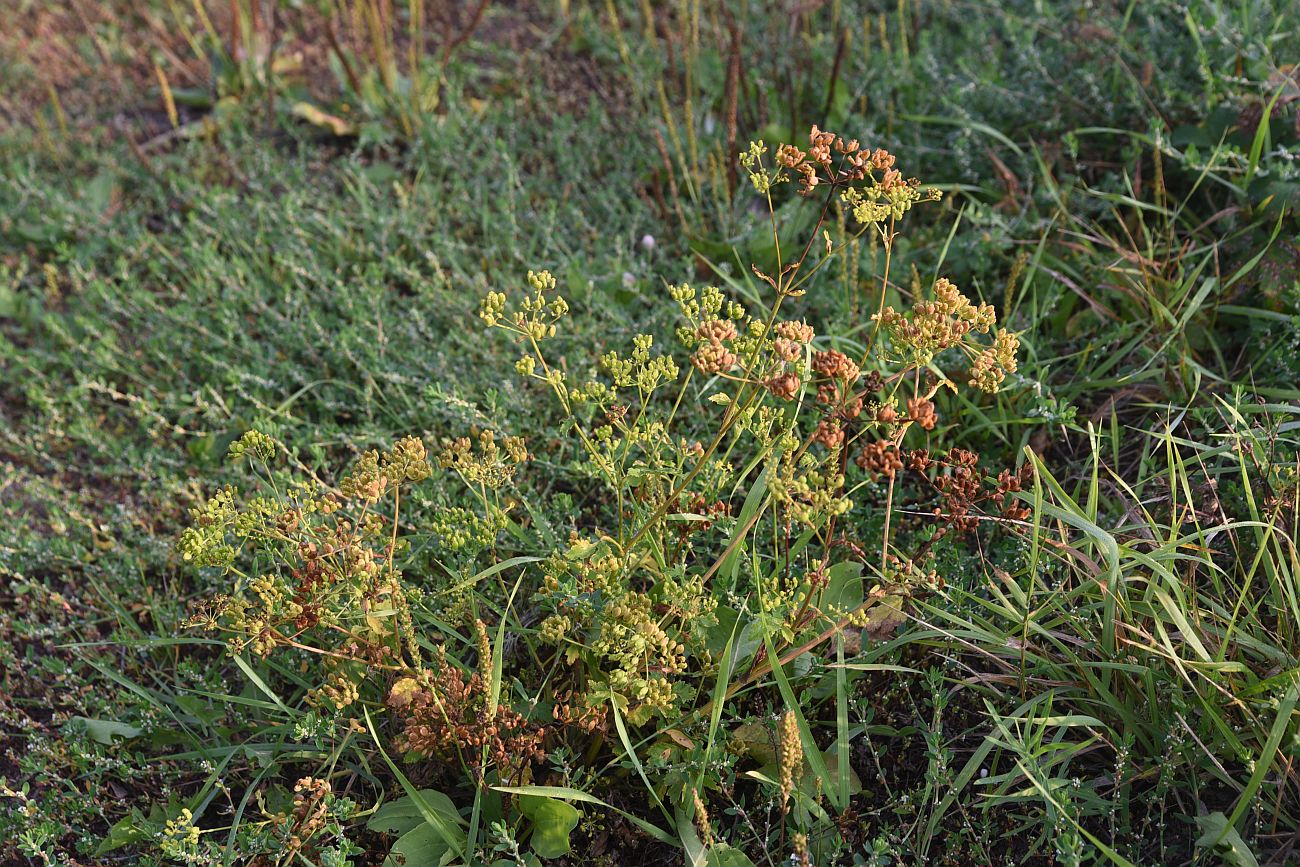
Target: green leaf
449, 832
552, 821
419, 847
723, 855
103, 730
844, 589
578, 795
98, 194
404, 814
1224, 841
131, 829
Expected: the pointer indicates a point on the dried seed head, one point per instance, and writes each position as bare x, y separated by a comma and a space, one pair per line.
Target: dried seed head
784, 386
713, 358
798, 332
829, 433
921, 411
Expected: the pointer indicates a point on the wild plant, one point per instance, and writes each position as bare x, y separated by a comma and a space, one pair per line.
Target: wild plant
782, 412
715, 551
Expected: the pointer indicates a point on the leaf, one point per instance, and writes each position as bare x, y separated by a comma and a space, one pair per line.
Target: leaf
99, 193
854, 784
844, 590
755, 741
403, 691
578, 795
1224, 841
552, 821
103, 731
419, 847
449, 832
723, 855
680, 738
404, 814
314, 116
128, 830
376, 625
884, 617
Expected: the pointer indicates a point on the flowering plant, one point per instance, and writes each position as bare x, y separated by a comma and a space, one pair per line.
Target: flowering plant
721, 477
783, 412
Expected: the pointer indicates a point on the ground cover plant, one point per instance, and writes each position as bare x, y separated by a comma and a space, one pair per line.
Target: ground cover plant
527, 434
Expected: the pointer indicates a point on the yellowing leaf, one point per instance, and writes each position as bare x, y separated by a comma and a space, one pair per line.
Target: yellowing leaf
314, 116
403, 691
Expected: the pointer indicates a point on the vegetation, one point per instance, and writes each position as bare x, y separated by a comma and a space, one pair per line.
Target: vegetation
518, 435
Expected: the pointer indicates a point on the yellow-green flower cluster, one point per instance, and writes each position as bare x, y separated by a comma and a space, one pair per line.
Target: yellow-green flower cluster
640, 638
707, 303
482, 461
883, 200
460, 529
373, 472
367, 481
810, 489
254, 445
338, 692
205, 543
759, 176
179, 838
407, 461
992, 365
936, 324
639, 657
640, 369
536, 315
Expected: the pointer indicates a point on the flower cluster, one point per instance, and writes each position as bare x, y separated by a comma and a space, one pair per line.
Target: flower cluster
374, 472
948, 320
956, 477
713, 354
640, 369
448, 717
869, 184
791, 756
535, 316
993, 364
483, 461
179, 839
206, 542
325, 577
640, 639
305, 832
254, 445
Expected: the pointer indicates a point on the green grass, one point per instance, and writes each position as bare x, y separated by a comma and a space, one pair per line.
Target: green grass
1112, 680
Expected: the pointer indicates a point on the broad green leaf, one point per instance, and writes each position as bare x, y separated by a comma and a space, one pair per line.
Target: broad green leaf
578, 795
419, 847
403, 814
103, 730
131, 829
450, 832
844, 590
1224, 841
552, 821
723, 855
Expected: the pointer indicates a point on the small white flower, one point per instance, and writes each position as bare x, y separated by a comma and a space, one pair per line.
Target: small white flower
647, 242
628, 279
